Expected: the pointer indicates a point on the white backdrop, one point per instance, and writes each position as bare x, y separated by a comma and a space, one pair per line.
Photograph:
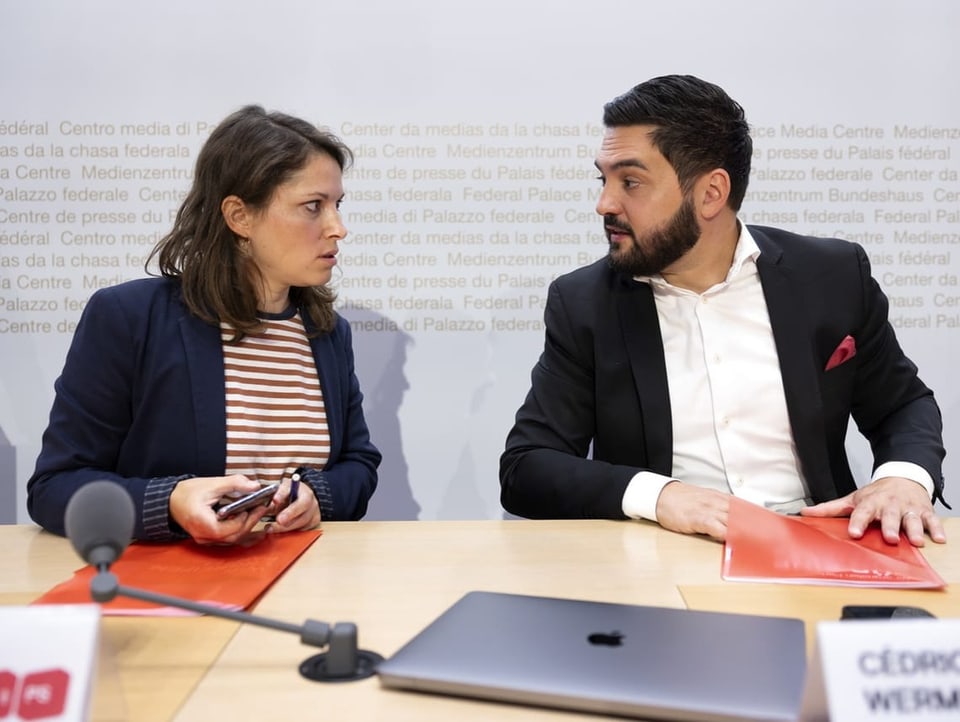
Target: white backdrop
475, 126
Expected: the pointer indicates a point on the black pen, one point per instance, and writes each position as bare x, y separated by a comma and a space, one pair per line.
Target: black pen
294, 486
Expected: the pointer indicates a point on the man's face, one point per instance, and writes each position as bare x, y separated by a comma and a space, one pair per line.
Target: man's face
648, 220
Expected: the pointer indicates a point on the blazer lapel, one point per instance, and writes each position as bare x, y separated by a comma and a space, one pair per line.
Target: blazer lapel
204, 353
791, 335
644, 344
328, 371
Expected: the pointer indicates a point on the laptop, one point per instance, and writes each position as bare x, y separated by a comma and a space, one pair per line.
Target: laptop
615, 659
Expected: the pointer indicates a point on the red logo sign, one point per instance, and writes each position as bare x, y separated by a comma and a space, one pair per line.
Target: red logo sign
8, 687
39, 695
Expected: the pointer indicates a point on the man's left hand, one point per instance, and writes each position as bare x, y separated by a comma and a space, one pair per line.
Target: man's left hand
895, 502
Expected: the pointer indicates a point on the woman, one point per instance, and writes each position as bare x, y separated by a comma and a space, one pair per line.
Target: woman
230, 371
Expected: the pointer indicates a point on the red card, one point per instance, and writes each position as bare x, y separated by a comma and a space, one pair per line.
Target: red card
232, 576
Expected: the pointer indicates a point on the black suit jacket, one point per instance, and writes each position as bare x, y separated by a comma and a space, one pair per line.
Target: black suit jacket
602, 380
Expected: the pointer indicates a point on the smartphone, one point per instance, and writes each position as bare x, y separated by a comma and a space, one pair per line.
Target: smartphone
857, 611
259, 497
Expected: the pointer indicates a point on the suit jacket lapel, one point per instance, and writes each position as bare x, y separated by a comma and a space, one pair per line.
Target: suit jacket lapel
204, 358
644, 344
328, 371
798, 367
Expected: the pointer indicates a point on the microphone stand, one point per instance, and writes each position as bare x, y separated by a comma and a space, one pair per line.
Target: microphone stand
342, 662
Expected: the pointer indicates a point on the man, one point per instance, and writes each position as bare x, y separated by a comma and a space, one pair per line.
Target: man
704, 357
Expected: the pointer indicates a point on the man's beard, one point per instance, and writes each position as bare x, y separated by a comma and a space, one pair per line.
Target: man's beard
657, 249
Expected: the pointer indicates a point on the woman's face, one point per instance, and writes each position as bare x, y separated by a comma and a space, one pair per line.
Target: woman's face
293, 241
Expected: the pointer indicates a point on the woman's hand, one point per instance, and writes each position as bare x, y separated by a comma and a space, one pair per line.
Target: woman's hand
192, 507
301, 513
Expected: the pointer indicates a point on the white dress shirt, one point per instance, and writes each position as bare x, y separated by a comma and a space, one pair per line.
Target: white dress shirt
731, 431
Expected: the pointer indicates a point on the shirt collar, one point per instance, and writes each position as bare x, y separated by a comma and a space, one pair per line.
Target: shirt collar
746, 252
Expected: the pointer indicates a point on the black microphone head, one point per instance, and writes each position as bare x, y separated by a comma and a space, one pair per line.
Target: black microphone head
99, 521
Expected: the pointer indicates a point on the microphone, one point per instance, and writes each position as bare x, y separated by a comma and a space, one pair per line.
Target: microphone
99, 523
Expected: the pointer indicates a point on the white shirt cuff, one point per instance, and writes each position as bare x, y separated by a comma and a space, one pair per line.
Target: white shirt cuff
906, 470
643, 491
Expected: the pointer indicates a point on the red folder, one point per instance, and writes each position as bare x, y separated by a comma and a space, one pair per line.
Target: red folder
232, 577
763, 545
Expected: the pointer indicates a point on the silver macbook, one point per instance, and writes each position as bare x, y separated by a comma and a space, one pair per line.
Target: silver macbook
649, 662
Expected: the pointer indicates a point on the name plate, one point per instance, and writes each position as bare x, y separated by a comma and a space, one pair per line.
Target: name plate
47, 661
898, 669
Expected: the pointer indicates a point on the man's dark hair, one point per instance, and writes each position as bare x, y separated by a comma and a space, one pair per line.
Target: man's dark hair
697, 127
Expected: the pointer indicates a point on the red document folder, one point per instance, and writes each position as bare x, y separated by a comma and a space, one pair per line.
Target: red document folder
232, 577
764, 546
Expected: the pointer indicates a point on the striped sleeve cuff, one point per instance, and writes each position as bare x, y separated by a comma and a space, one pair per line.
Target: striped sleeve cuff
157, 524
320, 487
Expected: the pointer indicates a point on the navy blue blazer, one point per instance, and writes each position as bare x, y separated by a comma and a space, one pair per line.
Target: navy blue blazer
141, 396
602, 380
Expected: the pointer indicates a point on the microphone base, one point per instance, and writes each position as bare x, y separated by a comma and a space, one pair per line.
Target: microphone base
315, 668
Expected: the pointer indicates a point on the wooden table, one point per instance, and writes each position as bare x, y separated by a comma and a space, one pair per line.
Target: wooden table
394, 578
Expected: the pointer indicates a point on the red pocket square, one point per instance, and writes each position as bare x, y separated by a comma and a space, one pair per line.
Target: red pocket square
844, 352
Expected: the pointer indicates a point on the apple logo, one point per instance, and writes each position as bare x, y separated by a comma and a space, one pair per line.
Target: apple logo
606, 639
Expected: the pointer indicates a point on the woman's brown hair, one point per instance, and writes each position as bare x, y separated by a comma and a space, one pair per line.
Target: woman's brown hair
248, 155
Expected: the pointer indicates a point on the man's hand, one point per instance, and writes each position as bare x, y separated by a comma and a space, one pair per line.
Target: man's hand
692, 510
893, 501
